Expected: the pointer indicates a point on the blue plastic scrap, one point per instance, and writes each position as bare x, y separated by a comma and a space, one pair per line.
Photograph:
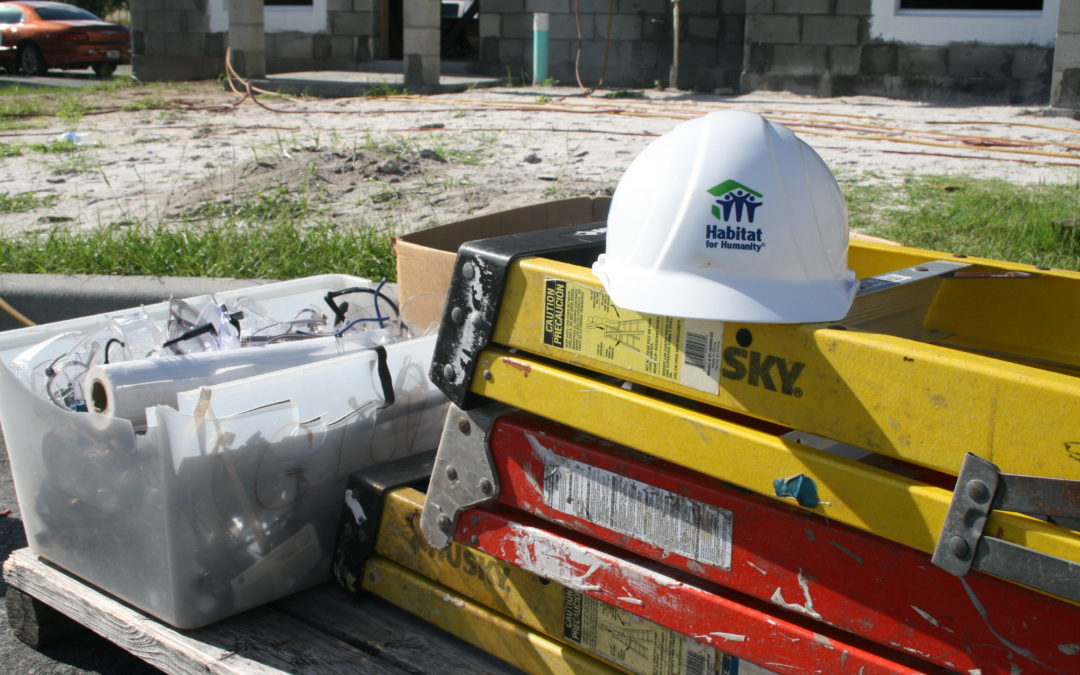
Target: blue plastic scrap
801, 488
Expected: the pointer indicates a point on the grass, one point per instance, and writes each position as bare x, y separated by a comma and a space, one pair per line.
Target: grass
385, 195
55, 147
72, 164
10, 149
71, 110
274, 205
274, 234
477, 151
282, 250
155, 102
26, 201
384, 90
289, 231
1035, 224
20, 106
284, 233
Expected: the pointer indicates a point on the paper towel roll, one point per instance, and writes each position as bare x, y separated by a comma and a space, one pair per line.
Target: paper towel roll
126, 389
330, 389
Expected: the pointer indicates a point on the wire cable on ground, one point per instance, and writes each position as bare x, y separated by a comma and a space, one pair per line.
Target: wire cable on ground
577, 55
230, 73
792, 118
812, 126
607, 41
997, 159
15, 314
807, 122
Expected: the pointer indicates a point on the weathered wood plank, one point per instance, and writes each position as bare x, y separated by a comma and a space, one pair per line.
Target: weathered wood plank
290, 645
396, 636
260, 641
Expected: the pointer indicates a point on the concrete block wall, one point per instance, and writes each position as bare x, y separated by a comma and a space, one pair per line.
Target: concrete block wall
349, 40
171, 41
1065, 89
420, 43
247, 38
965, 71
817, 47
806, 46
638, 52
822, 47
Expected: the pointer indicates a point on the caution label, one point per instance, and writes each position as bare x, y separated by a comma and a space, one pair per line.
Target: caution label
558, 305
584, 321
698, 531
631, 641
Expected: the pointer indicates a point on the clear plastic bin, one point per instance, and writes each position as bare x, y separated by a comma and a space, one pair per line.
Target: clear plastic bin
208, 514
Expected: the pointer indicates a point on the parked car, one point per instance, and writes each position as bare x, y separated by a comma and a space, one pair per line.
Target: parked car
36, 36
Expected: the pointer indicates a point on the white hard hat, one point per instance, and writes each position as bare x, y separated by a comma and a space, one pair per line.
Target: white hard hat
729, 217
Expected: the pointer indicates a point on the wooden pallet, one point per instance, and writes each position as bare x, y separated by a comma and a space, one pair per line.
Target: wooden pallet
321, 630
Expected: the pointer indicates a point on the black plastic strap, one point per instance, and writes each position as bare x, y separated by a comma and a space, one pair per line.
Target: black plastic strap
340, 310
193, 333
384, 377
235, 319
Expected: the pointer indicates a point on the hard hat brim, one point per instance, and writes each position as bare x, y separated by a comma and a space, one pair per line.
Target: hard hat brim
674, 293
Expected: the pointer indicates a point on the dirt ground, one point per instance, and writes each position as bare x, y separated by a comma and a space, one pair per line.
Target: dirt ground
412, 162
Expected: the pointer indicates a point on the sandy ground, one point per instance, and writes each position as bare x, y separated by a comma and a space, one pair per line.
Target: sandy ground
420, 161
413, 162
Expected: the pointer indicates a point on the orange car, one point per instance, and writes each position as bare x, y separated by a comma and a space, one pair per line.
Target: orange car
36, 36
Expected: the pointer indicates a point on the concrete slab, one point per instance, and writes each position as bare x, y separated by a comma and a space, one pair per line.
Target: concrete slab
321, 83
344, 84
45, 82
57, 79
45, 298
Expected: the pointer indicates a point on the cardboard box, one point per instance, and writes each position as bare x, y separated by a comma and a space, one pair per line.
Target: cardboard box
425, 259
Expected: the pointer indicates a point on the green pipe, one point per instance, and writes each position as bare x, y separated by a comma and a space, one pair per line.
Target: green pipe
541, 22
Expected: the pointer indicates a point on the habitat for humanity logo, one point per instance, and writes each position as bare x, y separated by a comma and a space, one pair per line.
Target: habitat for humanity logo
734, 201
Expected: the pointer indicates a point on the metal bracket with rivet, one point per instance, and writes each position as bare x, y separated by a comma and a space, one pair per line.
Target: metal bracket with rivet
476, 286
981, 488
463, 475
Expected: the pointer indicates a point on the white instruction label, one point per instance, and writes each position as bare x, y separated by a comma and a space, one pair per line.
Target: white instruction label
584, 321
638, 644
698, 531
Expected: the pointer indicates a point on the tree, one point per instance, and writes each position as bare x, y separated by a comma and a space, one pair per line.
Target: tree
101, 8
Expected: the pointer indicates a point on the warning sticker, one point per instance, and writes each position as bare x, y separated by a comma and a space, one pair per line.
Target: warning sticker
584, 321
698, 531
636, 643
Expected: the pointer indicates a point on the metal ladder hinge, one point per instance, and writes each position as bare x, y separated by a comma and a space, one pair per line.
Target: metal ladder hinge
464, 475
982, 488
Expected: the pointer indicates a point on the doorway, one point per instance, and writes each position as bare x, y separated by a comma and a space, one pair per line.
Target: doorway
459, 30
